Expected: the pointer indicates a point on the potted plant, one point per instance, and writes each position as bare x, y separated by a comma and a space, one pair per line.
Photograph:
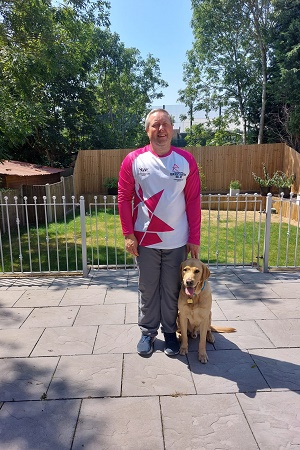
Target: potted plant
284, 182
234, 187
202, 178
265, 183
111, 184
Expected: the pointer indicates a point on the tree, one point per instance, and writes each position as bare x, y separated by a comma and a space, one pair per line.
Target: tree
228, 55
126, 86
284, 90
260, 12
68, 82
46, 56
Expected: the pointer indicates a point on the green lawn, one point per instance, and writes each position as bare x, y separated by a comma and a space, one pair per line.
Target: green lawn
224, 240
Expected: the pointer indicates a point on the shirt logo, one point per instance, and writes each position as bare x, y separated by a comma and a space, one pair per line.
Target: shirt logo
178, 176
144, 171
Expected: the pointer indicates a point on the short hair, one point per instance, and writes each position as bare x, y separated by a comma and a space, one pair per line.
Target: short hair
147, 120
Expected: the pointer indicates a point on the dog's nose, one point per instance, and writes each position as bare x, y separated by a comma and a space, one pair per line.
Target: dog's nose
189, 282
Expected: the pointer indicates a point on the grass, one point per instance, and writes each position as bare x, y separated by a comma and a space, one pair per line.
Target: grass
234, 240
224, 240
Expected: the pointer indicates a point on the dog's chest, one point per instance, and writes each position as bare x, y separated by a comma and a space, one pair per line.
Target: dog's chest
194, 312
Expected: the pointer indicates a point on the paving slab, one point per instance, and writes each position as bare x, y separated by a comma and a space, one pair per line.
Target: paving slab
205, 422
255, 277
100, 315
84, 297
287, 290
131, 315
31, 283
25, 378
125, 295
38, 298
158, 375
286, 275
9, 298
217, 313
280, 367
223, 276
70, 282
248, 335
66, 341
13, 317
284, 308
117, 339
87, 376
273, 418
227, 371
42, 425
18, 343
59, 316
282, 332
221, 291
245, 309
119, 423
253, 291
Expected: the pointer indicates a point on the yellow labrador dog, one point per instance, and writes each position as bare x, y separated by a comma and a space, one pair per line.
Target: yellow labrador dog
194, 307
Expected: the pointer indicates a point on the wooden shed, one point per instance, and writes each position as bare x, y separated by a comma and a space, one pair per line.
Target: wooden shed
14, 174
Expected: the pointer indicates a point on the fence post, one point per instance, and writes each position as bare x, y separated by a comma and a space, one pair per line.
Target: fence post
62, 180
83, 237
48, 205
267, 233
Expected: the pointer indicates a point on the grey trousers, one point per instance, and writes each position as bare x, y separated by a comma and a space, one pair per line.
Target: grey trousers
159, 284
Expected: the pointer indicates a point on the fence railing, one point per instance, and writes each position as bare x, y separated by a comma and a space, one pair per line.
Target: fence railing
35, 193
246, 230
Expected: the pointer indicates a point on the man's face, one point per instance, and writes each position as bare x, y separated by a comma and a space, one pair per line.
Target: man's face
160, 129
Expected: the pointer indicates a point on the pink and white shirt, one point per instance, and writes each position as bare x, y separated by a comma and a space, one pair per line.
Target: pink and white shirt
166, 191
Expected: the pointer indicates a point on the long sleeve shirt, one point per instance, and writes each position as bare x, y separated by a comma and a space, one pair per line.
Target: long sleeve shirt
165, 190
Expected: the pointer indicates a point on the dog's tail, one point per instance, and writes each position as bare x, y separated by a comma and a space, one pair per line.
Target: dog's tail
222, 329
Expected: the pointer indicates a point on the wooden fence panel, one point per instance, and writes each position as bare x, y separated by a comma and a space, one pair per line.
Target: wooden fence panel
219, 164
11, 213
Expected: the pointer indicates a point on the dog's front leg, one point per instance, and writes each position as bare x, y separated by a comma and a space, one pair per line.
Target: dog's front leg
202, 355
209, 336
184, 336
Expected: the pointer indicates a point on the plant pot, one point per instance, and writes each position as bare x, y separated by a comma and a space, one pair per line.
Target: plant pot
233, 192
112, 191
265, 190
286, 192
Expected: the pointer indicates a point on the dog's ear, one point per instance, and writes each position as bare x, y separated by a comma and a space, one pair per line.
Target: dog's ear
180, 271
205, 272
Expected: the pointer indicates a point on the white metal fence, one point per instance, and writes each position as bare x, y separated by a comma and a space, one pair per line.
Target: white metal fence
246, 230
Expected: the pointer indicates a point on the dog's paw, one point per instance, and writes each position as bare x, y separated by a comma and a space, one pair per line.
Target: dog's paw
183, 350
203, 358
210, 337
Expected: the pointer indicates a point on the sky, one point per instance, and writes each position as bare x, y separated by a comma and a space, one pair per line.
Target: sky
159, 27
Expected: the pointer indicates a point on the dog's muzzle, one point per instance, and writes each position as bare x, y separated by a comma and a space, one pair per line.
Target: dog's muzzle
189, 290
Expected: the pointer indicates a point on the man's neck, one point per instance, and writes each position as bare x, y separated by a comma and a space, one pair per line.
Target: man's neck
160, 150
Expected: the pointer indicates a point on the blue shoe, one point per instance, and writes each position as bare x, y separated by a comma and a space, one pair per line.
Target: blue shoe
145, 345
171, 344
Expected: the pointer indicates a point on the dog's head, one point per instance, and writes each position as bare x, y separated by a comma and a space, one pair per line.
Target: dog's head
193, 275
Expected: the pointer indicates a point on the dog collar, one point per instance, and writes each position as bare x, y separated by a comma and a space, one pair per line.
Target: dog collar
190, 299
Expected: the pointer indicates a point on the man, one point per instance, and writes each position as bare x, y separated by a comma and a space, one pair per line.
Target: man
162, 227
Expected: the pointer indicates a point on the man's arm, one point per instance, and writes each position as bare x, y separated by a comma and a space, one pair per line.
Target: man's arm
193, 208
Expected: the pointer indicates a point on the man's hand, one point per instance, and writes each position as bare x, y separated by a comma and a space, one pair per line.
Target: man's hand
131, 244
193, 249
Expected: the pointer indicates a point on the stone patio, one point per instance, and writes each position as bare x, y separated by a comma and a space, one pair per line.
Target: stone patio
70, 377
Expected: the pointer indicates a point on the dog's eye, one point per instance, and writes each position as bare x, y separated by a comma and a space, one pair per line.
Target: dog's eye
197, 271
184, 270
